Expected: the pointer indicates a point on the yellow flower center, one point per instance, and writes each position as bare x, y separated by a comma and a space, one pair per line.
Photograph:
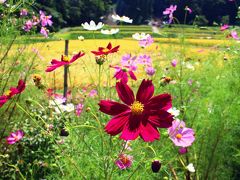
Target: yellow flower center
66, 58
7, 93
105, 50
36, 77
137, 108
178, 136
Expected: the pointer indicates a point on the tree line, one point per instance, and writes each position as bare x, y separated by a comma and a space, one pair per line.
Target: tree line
68, 13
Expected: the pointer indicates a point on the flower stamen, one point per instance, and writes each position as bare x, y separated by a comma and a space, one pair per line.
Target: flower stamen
178, 136
137, 108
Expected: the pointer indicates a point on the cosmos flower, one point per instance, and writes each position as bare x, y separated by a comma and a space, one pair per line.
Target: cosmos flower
128, 60
180, 135
110, 32
23, 12
105, 51
150, 70
146, 42
144, 60
93, 93
122, 73
64, 108
169, 11
234, 35
81, 38
2, 1
45, 20
174, 63
65, 60
122, 18
28, 25
12, 92
140, 36
140, 115
124, 161
224, 27
174, 111
190, 168
188, 9
44, 31
79, 109
15, 137
92, 26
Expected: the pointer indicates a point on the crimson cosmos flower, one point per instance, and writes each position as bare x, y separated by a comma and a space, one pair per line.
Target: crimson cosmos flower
139, 116
64, 61
12, 91
105, 51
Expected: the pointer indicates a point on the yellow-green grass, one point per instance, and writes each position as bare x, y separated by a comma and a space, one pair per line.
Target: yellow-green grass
85, 70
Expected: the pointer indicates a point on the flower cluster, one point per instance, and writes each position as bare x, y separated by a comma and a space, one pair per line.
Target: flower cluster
42, 21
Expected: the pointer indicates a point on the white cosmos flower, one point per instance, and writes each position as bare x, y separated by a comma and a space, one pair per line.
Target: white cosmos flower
57, 101
190, 168
92, 26
174, 111
122, 18
64, 108
110, 32
140, 36
81, 38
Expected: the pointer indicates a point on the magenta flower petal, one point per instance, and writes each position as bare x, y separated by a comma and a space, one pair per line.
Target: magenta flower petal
117, 123
112, 108
149, 133
15, 137
162, 101
162, 119
125, 93
132, 128
145, 91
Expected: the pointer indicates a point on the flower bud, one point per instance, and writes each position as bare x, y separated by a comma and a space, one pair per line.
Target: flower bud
156, 165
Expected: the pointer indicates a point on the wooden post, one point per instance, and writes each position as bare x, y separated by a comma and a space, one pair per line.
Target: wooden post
65, 83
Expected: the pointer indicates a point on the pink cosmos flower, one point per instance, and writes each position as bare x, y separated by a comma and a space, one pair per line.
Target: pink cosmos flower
233, 35
150, 70
146, 42
79, 109
144, 59
188, 9
45, 20
174, 63
12, 92
180, 135
35, 20
140, 115
15, 137
65, 60
122, 73
169, 11
23, 12
44, 31
28, 25
224, 27
128, 60
124, 161
93, 93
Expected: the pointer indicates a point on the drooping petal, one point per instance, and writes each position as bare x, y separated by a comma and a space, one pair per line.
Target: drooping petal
76, 56
148, 133
112, 108
132, 75
117, 123
3, 100
55, 64
21, 86
97, 53
125, 93
162, 119
145, 91
115, 49
160, 102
